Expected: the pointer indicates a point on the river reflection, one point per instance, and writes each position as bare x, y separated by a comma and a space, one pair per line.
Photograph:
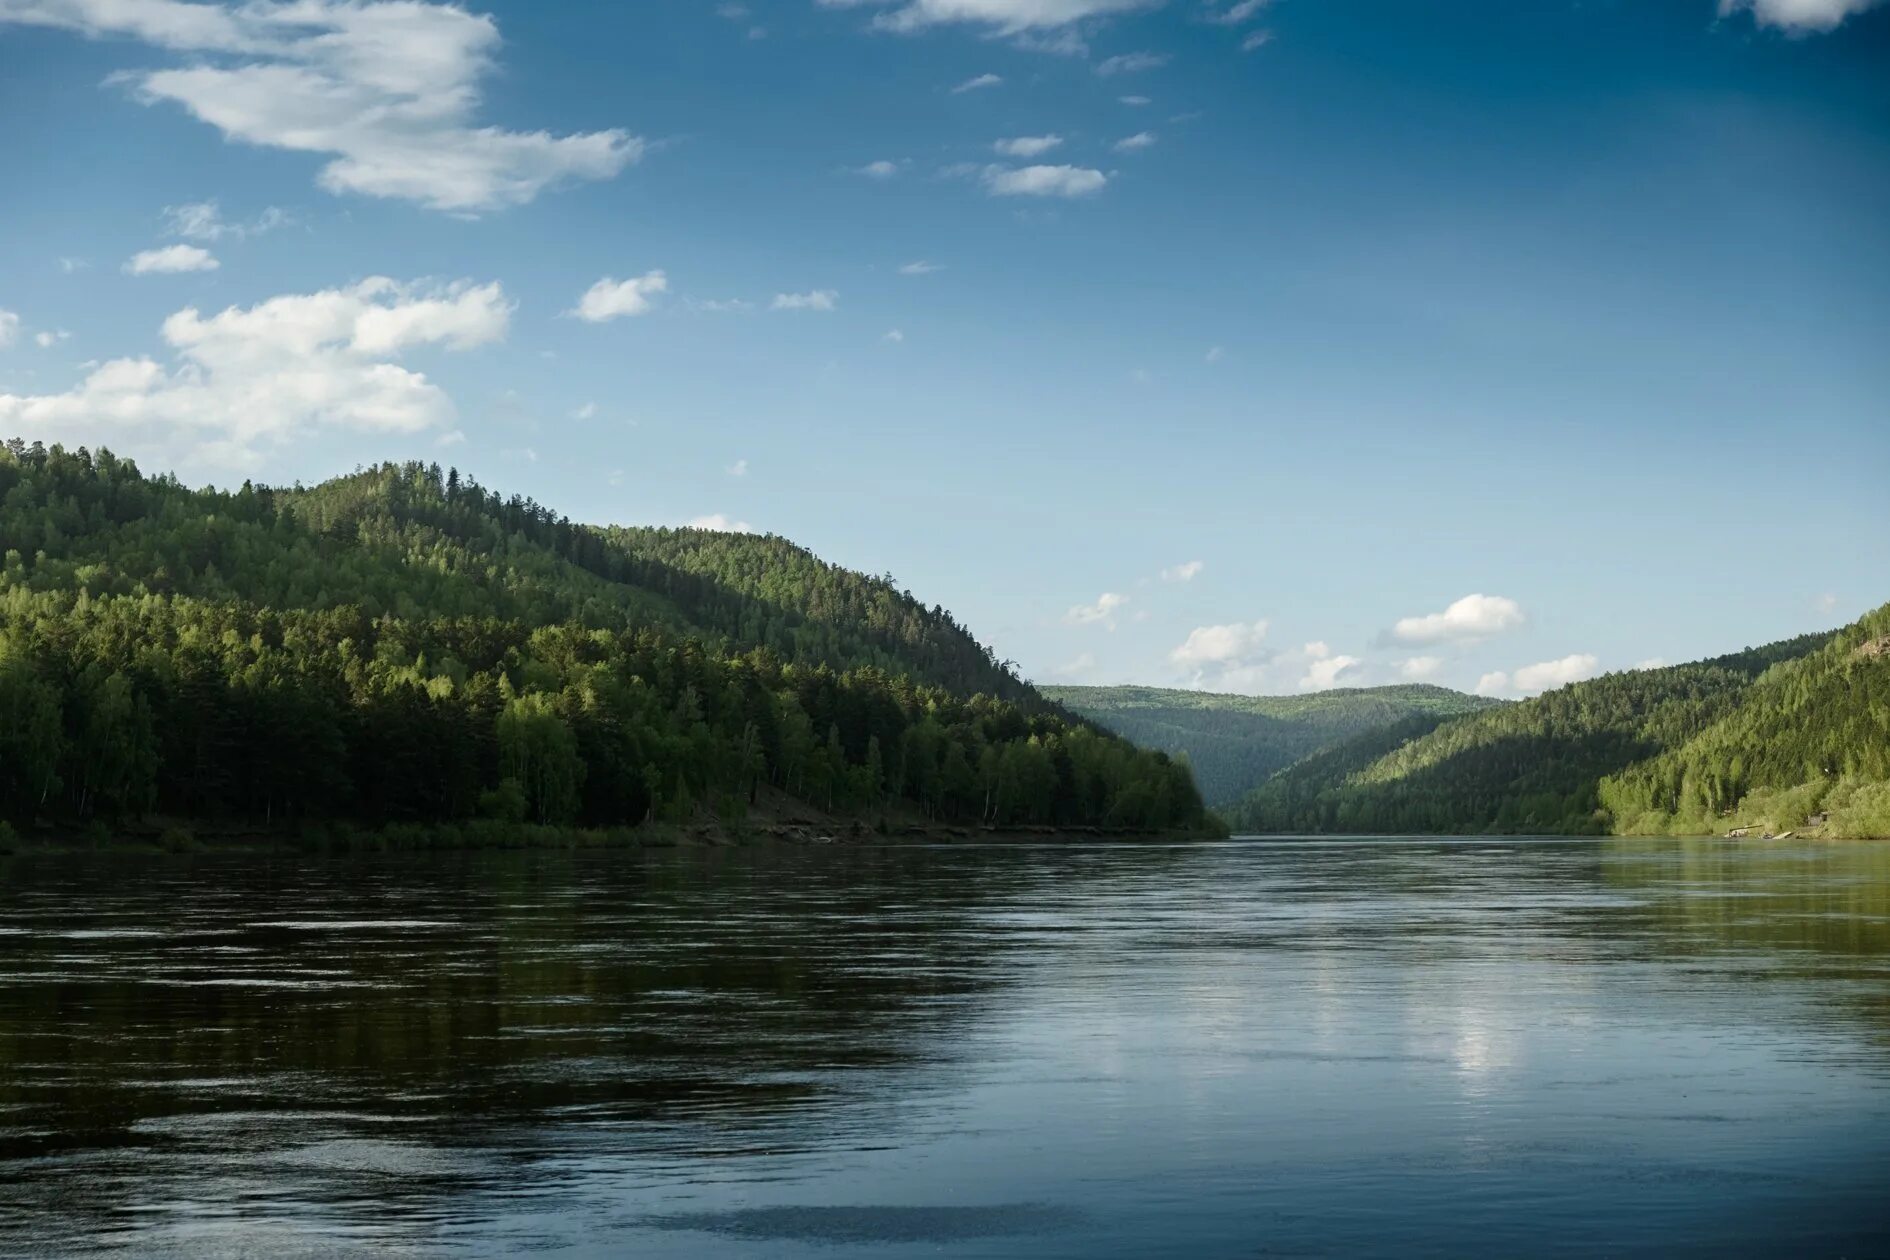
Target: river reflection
1334, 1047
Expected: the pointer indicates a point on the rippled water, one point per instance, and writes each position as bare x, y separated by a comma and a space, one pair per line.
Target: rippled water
1299, 1048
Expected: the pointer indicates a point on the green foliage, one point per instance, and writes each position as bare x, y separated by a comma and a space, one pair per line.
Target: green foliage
402, 647
1233, 743
1803, 728
1533, 767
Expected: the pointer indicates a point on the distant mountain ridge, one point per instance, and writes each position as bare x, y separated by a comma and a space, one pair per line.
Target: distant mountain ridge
1773, 736
1235, 742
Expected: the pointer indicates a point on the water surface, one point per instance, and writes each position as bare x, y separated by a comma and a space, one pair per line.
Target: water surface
1410, 1047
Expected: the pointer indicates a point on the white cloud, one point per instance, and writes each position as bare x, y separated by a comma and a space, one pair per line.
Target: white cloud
170, 260
1222, 647
1102, 612
452, 437
585, 412
1420, 667
1131, 63
1004, 17
1798, 17
1256, 41
893, 336
1027, 146
1133, 100
1085, 663
721, 523
70, 265
981, 81
203, 221
1043, 181
47, 340
1184, 572
9, 328
817, 300
1542, 676
719, 305
1826, 602
1472, 617
386, 90
1140, 140
1652, 662
610, 298
920, 268
1324, 670
1214, 354
1237, 13
738, 469
881, 169
274, 372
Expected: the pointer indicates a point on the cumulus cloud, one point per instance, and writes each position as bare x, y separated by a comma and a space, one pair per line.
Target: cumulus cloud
1130, 63
1652, 662
1222, 647
1417, 668
1043, 181
981, 81
1140, 140
48, 339
264, 375
817, 300
1027, 146
1184, 572
170, 260
611, 298
882, 169
1102, 612
721, 523
1798, 17
386, 90
1324, 668
1472, 617
1541, 676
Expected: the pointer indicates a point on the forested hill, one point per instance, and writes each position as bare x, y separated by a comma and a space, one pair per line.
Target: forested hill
404, 645
1656, 737
1236, 742
1807, 745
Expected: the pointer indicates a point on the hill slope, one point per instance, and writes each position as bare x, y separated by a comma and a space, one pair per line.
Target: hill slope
1536, 766
1810, 738
403, 645
1235, 742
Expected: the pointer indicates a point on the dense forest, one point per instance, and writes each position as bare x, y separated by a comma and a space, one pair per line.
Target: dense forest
404, 646
1799, 727
1235, 742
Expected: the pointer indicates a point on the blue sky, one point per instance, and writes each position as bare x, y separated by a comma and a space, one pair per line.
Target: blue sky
1251, 346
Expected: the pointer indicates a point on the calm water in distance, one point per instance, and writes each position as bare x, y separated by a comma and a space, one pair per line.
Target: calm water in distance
1389, 1047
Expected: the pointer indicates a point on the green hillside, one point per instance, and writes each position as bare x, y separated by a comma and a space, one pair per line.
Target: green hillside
1235, 742
1535, 766
404, 645
1809, 743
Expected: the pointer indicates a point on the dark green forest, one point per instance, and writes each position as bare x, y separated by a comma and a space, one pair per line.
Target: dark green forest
1795, 728
1235, 742
404, 646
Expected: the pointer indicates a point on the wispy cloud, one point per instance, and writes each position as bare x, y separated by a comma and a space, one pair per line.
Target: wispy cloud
980, 81
1131, 144
1043, 181
1027, 146
1131, 63
920, 267
816, 300
1184, 572
170, 260
1103, 612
